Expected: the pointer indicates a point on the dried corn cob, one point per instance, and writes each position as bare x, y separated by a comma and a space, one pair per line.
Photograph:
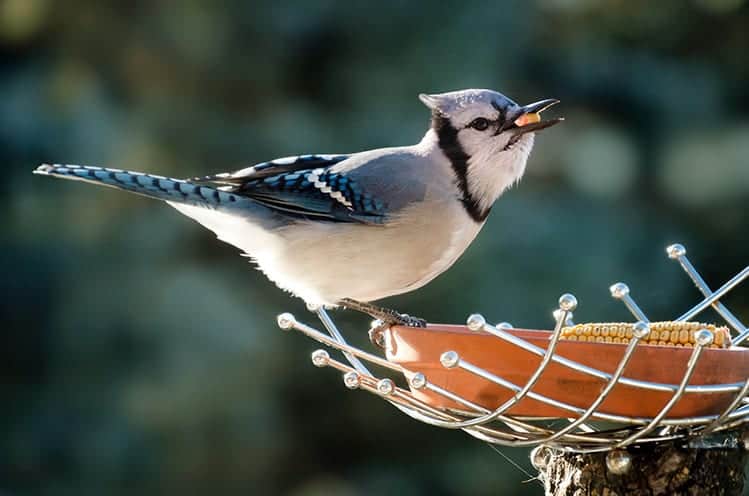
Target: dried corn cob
661, 333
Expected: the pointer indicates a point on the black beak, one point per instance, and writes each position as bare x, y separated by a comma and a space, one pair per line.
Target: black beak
538, 107
521, 126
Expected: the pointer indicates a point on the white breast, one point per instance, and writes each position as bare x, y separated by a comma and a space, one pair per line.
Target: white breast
323, 263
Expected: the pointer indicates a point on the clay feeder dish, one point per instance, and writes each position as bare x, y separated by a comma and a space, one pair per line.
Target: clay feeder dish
419, 350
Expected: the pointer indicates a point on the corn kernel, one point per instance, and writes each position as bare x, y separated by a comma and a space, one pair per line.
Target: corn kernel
526, 119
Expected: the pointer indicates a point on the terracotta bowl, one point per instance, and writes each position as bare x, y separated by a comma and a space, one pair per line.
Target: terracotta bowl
419, 350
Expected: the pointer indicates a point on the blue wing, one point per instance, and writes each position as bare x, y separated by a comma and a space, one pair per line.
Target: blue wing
304, 187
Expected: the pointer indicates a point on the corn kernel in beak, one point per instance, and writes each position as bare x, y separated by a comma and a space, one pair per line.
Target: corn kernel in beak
526, 119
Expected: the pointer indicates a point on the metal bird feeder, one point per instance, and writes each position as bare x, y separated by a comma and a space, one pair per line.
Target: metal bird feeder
518, 387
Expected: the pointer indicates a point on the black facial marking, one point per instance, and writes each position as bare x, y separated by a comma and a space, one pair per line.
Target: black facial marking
502, 124
501, 110
450, 146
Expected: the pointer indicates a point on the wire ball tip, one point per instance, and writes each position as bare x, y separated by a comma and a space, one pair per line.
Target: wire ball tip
640, 330
320, 358
476, 322
418, 381
286, 321
449, 359
619, 290
567, 302
385, 386
676, 251
352, 380
619, 462
313, 307
704, 337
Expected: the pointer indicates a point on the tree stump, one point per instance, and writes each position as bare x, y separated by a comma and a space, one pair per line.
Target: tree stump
670, 468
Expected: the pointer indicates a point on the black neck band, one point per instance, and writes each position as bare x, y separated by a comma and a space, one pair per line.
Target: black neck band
450, 146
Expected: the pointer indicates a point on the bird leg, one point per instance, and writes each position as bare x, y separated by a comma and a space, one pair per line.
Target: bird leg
386, 315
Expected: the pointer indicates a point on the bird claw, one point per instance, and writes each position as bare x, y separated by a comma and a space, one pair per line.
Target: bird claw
386, 315
408, 321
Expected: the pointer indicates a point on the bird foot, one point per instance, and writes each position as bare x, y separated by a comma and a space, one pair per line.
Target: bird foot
387, 315
408, 321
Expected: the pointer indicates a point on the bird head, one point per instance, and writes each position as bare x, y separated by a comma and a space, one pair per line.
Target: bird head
487, 137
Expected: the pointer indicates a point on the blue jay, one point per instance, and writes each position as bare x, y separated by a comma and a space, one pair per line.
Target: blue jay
346, 230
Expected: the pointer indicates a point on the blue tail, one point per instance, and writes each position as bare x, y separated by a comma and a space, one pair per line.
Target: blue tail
162, 188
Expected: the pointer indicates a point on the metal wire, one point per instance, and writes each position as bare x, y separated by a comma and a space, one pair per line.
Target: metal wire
497, 427
679, 253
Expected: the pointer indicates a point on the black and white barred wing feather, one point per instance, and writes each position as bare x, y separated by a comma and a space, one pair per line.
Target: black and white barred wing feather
274, 167
304, 187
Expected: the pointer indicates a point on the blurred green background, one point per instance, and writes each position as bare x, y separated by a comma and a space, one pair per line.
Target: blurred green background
140, 356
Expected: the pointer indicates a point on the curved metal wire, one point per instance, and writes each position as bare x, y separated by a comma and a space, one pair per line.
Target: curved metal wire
495, 426
602, 396
522, 392
653, 424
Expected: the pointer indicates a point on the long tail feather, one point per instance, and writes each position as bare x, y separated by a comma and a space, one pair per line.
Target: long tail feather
162, 188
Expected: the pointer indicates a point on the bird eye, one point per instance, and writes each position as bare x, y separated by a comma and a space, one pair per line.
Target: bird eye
479, 124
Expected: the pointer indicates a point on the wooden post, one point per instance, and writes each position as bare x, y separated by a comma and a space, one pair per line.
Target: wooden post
669, 468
